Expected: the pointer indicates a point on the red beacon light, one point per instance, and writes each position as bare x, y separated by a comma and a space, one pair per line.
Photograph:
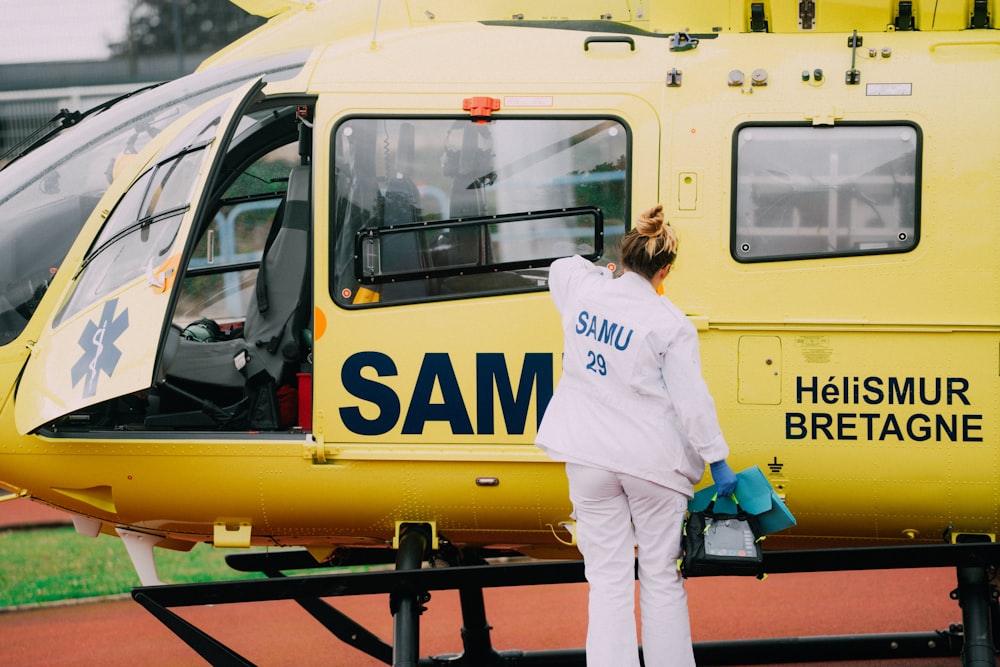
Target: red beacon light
481, 107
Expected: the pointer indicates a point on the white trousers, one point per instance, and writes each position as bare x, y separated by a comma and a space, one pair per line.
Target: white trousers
614, 512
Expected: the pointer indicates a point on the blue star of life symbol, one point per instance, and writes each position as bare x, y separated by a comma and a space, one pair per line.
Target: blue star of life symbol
99, 351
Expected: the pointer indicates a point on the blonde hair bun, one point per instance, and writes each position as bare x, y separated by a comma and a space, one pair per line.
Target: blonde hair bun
661, 235
650, 223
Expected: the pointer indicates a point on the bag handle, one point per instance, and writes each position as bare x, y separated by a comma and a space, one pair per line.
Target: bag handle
740, 514
709, 509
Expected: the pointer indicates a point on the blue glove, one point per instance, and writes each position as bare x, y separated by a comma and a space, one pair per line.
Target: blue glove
724, 478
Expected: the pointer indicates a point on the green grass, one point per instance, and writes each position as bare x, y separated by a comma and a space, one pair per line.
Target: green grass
41, 565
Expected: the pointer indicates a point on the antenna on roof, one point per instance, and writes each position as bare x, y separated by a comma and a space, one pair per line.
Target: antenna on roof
378, 9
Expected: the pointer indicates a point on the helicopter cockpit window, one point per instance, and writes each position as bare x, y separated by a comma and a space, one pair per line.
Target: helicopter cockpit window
806, 191
140, 231
458, 208
48, 193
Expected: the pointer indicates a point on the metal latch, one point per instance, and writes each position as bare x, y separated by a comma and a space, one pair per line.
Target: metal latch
314, 448
681, 41
904, 20
853, 76
758, 20
980, 15
807, 14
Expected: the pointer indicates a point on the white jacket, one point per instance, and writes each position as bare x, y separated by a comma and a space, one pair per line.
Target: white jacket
632, 398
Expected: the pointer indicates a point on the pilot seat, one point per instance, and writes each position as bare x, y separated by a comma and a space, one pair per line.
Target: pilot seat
272, 346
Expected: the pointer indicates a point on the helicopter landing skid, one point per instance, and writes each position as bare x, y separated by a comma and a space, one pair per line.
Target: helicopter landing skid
409, 587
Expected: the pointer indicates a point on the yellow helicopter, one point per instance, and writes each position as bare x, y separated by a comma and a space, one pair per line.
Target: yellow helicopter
298, 299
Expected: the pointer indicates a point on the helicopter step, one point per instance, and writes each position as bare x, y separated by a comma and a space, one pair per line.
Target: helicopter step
409, 586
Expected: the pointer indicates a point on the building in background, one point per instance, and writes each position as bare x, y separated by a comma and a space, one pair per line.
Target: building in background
160, 40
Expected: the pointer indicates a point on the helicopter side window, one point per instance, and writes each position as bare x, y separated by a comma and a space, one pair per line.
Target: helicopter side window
141, 230
445, 208
222, 270
805, 191
140, 233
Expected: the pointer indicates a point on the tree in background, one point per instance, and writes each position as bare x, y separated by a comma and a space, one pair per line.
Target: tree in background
182, 26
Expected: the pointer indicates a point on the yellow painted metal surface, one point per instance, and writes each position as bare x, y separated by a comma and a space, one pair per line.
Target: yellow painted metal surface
866, 385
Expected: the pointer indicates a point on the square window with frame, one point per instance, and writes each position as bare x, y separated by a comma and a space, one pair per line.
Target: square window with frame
804, 191
432, 208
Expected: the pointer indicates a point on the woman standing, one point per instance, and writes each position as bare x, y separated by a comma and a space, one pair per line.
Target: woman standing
635, 423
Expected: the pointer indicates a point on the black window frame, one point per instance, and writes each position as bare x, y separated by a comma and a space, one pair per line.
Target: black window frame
734, 241
336, 235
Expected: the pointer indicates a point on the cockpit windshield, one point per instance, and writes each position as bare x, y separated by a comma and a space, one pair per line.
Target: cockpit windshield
47, 195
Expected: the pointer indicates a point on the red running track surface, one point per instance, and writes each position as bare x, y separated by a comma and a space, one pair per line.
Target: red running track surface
122, 633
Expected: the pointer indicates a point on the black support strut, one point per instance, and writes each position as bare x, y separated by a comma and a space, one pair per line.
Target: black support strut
478, 648
408, 585
407, 601
975, 596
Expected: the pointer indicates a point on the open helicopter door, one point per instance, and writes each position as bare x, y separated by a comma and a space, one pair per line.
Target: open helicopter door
102, 341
